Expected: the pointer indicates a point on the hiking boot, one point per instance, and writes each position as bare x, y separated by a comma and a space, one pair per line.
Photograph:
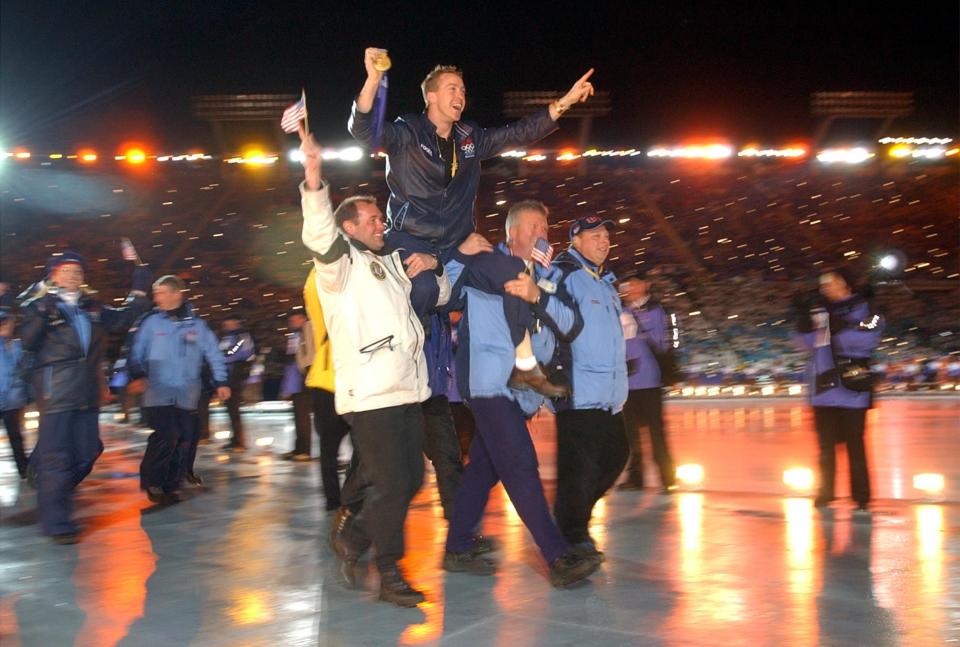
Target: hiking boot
570, 568
468, 561
395, 589
535, 380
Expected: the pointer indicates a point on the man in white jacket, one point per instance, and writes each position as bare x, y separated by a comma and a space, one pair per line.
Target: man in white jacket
381, 372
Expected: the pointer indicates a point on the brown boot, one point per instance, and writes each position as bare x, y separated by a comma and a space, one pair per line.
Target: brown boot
535, 380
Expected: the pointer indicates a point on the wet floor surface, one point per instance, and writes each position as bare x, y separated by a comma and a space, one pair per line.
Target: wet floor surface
244, 560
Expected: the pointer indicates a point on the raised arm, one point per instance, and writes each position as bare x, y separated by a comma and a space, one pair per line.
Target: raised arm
320, 234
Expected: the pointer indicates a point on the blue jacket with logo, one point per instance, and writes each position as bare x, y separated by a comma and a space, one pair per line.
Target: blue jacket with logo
421, 202
857, 332
13, 389
169, 349
597, 355
485, 352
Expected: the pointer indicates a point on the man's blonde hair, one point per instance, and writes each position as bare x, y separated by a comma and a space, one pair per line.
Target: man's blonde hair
430, 82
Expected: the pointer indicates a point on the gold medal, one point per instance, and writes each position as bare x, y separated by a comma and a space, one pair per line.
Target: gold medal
382, 62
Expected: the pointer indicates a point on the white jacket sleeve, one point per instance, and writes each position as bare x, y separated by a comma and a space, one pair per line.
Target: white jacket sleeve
331, 251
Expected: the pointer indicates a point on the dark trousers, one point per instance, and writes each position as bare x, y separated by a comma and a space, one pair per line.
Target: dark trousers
389, 444
836, 425
464, 424
11, 422
591, 452
442, 447
68, 446
236, 380
644, 408
203, 416
302, 406
331, 429
503, 451
165, 459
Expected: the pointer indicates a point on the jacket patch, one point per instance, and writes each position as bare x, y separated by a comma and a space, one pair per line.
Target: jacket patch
426, 149
377, 270
468, 148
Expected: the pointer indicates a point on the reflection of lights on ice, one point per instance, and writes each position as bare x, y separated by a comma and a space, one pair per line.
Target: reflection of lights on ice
221, 435
31, 424
264, 441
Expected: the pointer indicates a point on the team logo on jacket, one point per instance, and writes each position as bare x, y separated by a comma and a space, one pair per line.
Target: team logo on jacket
468, 148
426, 149
377, 270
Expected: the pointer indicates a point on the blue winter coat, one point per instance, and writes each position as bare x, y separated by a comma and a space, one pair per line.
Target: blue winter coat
653, 331
485, 352
860, 334
169, 349
13, 389
597, 355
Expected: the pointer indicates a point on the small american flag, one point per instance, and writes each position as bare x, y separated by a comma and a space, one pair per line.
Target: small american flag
542, 252
128, 251
292, 116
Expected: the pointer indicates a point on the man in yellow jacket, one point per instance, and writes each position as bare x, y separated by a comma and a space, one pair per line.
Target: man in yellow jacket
316, 357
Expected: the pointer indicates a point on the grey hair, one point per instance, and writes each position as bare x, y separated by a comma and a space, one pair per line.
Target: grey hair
519, 207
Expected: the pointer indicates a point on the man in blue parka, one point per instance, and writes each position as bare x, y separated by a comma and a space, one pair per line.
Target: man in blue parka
168, 351
502, 450
840, 332
591, 438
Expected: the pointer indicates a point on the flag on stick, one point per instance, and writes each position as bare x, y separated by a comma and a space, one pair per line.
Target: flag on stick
129, 251
292, 116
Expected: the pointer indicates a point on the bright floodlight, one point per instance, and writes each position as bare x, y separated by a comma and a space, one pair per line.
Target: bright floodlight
295, 155
690, 474
351, 154
799, 479
889, 262
929, 483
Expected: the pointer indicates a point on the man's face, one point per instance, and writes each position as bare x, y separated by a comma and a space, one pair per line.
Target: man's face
833, 287
634, 290
68, 276
527, 228
367, 227
295, 322
593, 244
449, 100
7, 326
167, 297
229, 325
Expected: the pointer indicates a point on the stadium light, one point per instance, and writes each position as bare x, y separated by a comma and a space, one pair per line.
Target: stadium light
930, 484
87, 156
798, 479
295, 155
22, 155
690, 474
857, 155
351, 154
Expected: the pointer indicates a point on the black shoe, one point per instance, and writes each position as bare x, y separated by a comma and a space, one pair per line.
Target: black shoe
347, 570
862, 510
393, 588
588, 550
161, 497
347, 540
570, 568
822, 502
468, 561
66, 538
193, 478
300, 457
631, 486
484, 545
535, 380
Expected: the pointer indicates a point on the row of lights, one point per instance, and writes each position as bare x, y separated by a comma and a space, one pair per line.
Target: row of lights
736, 391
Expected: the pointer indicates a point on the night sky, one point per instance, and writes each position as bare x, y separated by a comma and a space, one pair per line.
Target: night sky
99, 73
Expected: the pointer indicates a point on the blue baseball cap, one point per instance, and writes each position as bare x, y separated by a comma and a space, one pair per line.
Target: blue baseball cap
589, 222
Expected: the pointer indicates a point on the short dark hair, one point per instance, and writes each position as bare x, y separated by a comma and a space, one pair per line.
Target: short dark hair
845, 273
172, 281
430, 82
348, 208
